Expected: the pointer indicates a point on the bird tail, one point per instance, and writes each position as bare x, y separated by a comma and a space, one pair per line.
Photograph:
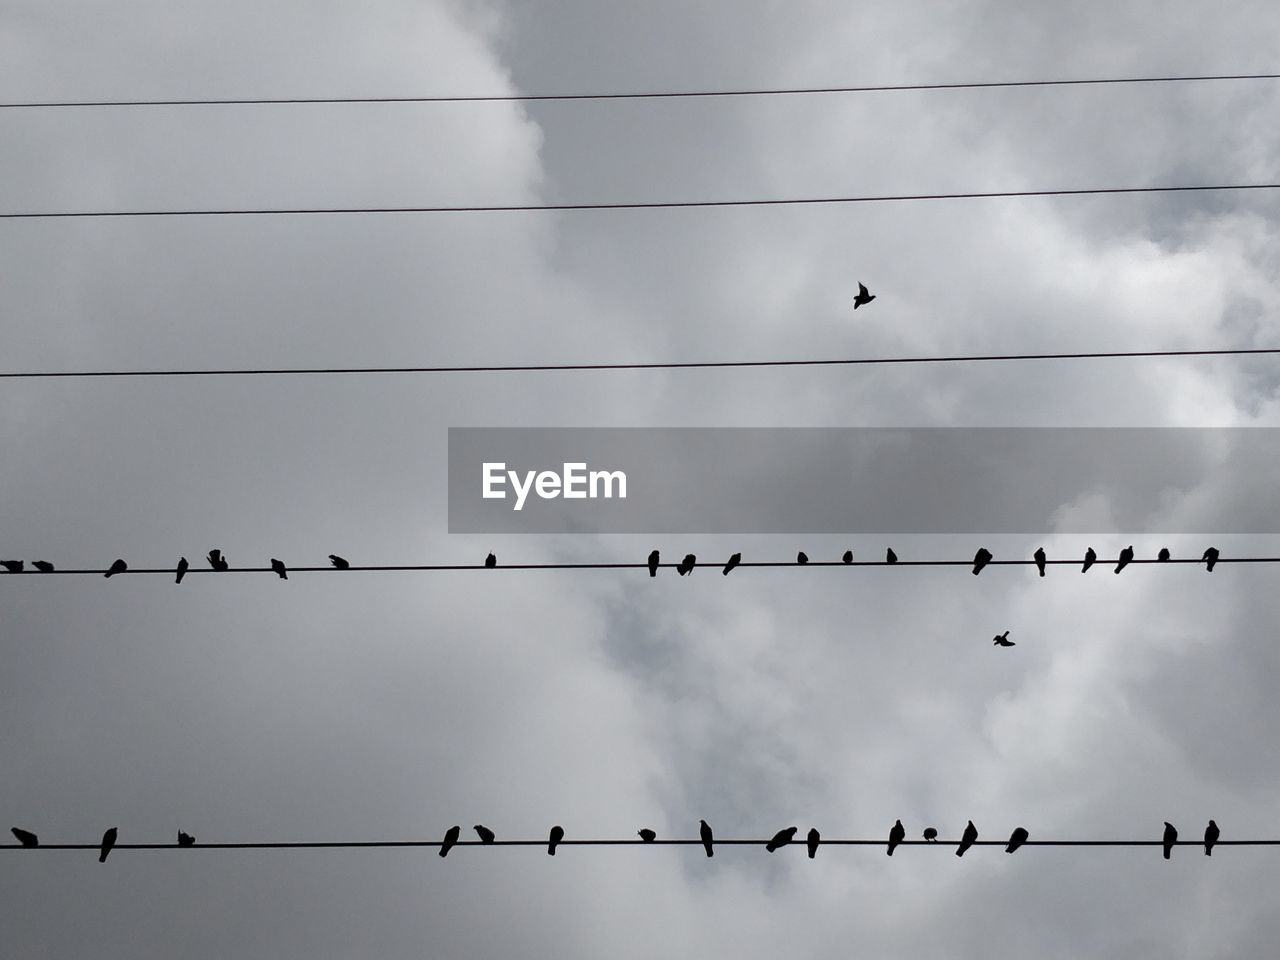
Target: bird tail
102, 857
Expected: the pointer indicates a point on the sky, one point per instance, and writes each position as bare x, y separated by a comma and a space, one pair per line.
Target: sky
391, 706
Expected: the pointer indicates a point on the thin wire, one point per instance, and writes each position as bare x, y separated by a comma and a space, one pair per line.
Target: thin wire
660, 365
641, 205
671, 95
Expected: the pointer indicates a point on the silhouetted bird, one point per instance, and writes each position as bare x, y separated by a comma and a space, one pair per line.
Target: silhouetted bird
117, 566
490, 561
186, 839
44, 566
733, 562
13, 566
1210, 838
648, 836
890, 556
967, 840
484, 833
1016, 839
704, 830
450, 838
1003, 640
25, 837
930, 834
182, 569
653, 563
897, 833
557, 834
1089, 557
686, 565
863, 297
802, 558
848, 557
1125, 556
1210, 557
781, 839
1170, 838
812, 840
1041, 560
980, 560
1164, 554
338, 562
278, 567
108, 841
218, 561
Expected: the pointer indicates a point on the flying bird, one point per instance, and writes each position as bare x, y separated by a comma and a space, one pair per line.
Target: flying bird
686, 565
484, 833
25, 837
108, 841
813, 839
802, 558
781, 839
1016, 839
450, 838
1170, 838
182, 569
733, 562
1210, 838
218, 561
1125, 556
1210, 557
863, 297
1163, 555
13, 566
653, 563
980, 560
1089, 557
897, 833
186, 839
279, 568
1003, 640
338, 562
490, 561
557, 834
1041, 560
117, 566
44, 566
930, 834
704, 830
848, 557
890, 556
647, 835
967, 840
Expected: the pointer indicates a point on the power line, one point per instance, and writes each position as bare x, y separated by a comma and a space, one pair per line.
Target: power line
639, 205
654, 95
659, 365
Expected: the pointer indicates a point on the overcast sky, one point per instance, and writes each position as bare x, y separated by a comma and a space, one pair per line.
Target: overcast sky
389, 706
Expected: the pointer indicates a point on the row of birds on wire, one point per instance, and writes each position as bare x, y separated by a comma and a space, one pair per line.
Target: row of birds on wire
686, 566
897, 835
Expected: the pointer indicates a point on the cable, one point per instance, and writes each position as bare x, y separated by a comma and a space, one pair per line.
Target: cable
530, 98
660, 365
641, 205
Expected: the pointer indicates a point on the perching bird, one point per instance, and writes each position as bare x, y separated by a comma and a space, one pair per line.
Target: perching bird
44, 566
450, 838
1125, 556
812, 840
802, 558
25, 837
930, 834
490, 561
182, 569
1041, 560
653, 563
1003, 640
1016, 839
13, 566
278, 567
897, 833
1163, 555
1210, 557
1170, 838
848, 557
117, 566
966, 841
1089, 557
980, 560
733, 562
338, 562
484, 833
781, 839
863, 297
1210, 838
686, 565
108, 841
186, 839
557, 834
218, 561
704, 830
648, 836
890, 556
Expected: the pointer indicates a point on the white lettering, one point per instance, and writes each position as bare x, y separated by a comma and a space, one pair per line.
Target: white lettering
609, 476
493, 474
521, 491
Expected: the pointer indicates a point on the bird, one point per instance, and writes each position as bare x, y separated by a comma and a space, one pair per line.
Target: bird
557, 834
863, 297
966, 841
1210, 838
182, 569
1210, 557
802, 558
1163, 555
1125, 556
930, 834
25, 837
733, 562
890, 556
1089, 557
117, 566
848, 557
338, 562
704, 830
278, 567
980, 560
108, 841
44, 566
450, 838
897, 833
781, 839
647, 835
186, 839
13, 566
484, 833
1003, 640
653, 563
490, 561
686, 565
1016, 839
218, 561
813, 839
1041, 560
1170, 838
